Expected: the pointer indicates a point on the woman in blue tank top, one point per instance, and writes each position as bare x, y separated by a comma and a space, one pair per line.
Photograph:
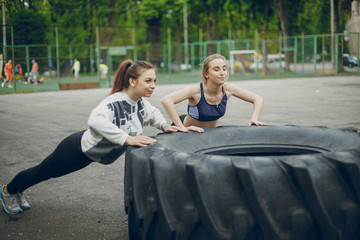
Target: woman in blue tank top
207, 101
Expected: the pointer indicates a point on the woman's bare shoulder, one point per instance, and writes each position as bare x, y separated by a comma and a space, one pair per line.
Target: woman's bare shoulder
195, 87
192, 89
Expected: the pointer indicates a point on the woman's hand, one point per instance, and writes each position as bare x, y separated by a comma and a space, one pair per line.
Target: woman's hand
140, 141
196, 129
171, 128
191, 128
255, 122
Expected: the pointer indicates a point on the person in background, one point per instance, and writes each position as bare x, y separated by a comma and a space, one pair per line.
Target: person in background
207, 101
34, 70
30, 80
76, 68
117, 122
8, 74
103, 70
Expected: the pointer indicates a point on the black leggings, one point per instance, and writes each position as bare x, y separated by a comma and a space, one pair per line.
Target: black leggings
66, 158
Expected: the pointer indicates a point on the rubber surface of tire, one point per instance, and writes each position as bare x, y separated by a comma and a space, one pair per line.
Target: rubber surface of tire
231, 182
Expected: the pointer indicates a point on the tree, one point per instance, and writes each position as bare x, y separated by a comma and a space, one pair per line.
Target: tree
282, 9
284, 12
174, 19
220, 19
313, 17
152, 11
28, 26
208, 14
166, 13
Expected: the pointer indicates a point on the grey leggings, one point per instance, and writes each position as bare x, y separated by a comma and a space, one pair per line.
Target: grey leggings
66, 158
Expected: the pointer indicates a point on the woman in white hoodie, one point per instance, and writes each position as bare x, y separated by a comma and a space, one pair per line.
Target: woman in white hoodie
115, 123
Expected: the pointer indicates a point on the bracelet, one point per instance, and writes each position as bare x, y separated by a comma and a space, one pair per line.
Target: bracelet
165, 126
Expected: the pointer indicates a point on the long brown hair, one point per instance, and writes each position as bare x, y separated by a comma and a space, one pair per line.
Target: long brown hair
129, 69
206, 64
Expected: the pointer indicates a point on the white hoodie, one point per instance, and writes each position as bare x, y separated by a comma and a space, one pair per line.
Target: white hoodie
112, 121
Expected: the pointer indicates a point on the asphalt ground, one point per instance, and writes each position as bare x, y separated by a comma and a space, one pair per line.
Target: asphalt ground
89, 204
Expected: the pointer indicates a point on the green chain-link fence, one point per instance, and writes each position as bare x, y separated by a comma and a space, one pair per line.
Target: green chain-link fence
303, 55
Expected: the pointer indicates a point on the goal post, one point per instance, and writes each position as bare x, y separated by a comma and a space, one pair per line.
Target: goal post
243, 62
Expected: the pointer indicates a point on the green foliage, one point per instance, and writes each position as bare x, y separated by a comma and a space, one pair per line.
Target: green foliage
28, 27
152, 10
313, 17
34, 20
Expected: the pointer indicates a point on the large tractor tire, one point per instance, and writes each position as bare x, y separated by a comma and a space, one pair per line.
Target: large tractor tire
231, 182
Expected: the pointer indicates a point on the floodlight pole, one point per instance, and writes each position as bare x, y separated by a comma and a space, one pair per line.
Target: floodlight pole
4, 31
332, 25
186, 41
98, 53
57, 55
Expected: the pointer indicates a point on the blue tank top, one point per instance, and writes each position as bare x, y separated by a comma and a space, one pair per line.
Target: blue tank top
206, 112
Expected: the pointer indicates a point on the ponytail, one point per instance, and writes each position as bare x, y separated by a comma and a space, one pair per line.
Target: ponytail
119, 80
128, 69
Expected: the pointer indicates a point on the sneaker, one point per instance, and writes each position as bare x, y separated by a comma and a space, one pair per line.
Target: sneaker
2, 84
10, 86
9, 202
24, 205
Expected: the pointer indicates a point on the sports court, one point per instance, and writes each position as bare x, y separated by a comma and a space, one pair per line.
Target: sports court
89, 204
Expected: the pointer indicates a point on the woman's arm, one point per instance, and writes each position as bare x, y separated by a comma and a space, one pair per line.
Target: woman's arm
154, 117
143, 141
140, 140
100, 123
171, 99
250, 97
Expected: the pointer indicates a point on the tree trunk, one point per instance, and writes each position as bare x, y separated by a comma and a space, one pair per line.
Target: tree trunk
153, 38
266, 14
106, 36
111, 17
211, 29
337, 30
178, 43
332, 19
264, 31
208, 30
282, 9
334, 30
